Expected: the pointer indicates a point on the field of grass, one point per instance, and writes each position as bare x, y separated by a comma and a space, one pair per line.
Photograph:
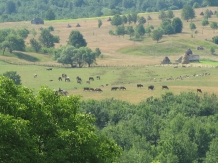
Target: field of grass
123, 63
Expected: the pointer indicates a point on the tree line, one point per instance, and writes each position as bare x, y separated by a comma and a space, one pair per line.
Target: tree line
16, 10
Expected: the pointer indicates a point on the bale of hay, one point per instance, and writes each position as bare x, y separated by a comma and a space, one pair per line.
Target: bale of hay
78, 25
109, 19
202, 13
166, 60
185, 59
188, 51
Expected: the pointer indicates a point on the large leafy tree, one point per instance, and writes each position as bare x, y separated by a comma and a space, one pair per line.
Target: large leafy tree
212, 153
157, 35
35, 45
204, 23
177, 24
116, 20
48, 128
46, 38
88, 55
120, 30
141, 20
214, 26
130, 31
76, 39
140, 29
188, 13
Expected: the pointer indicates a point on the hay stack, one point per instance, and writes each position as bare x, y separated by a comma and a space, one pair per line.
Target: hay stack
166, 60
109, 19
202, 13
185, 59
78, 25
188, 52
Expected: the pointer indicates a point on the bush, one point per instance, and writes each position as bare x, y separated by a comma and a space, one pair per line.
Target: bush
215, 39
51, 28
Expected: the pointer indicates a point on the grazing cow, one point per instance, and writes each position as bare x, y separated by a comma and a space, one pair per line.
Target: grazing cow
199, 90
151, 87
48, 69
61, 91
79, 81
78, 78
88, 82
64, 75
67, 79
86, 89
114, 88
91, 78
107, 84
59, 78
35, 75
98, 77
98, 90
91, 89
164, 87
122, 88
51, 80
139, 85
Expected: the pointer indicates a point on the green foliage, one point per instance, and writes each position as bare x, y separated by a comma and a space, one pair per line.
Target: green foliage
76, 39
188, 13
46, 38
140, 30
177, 25
50, 15
212, 50
207, 14
124, 19
120, 30
214, 26
89, 57
167, 27
204, 22
215, 39
23, 33
35, 45
141, 20
116, 20
111, 32
134, 17
157, 34
162, 15
130, 31
192, 26
48, 128
129, 18
13, 76
169, 14
212, 153
51, 28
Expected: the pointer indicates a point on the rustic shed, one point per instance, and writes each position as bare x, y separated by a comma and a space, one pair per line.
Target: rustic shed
194, 58
37, 21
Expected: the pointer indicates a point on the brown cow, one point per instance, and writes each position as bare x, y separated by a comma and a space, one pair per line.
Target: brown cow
164, 87
86, 89
122, 88
98, 90
139, 85
199, 90
114, 88
91, 89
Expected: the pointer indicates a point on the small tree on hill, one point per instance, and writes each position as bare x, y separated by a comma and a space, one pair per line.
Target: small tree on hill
134, 17
169, 14
157, 35
141, 20
124, 19
187, 13
215, 39
35, 45
116, 20
204, 23
207, 14
177, 25
99, 23
76, 39
192, 26
162, 15
214, 26
46, 38
130, 31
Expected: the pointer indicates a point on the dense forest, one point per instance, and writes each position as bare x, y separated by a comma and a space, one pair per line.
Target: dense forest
17, 10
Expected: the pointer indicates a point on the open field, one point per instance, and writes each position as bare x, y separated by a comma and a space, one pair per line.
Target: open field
119, 76
123, 62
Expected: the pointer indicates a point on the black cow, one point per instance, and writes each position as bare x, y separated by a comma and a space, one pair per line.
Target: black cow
86, 89
98, 90
122, 88
164, 87
67, 79
91, 89
199, 90
114, 88
48, 69
79, 81
91, 78
60, 78
98, 77
151, 87
139, 85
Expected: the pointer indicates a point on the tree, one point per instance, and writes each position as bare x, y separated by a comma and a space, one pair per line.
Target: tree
169, 14
124, 19
16, 42
187, 13
23, 33
99, 23
49, 128
46, 38
76, 39
10, 7
116, 20
157, 35
192, 26
214, 26
68, 55
51, 28
88, 55
13, 76
167, 27
129, 18
141, 20
207, 14
33, 32
35, 45
204, 23
139, 29
130, 31
162, 15
215, 39
212, 50
211, 156
50, 15
5, 45
111, 32
134, 17
120, 30
177, 25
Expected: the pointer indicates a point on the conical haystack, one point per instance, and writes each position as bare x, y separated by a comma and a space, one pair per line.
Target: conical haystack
109, 19
166, 60
188, 52
202, 13
78, 25
185, 59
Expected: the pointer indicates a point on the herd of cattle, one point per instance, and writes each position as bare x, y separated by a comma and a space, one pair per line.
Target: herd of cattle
113, 88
